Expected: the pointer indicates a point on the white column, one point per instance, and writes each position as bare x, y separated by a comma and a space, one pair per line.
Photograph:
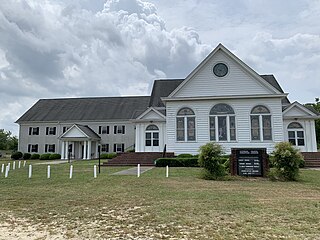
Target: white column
67, 149
89, 149
85, 150
80, 150
73, 150
63, 150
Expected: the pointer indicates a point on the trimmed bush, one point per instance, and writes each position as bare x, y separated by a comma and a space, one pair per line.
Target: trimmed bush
210, 158
26, 156
45, 156
104, 156
16, 155
35, 156
177, 162
286, 160
55, 156
185, 155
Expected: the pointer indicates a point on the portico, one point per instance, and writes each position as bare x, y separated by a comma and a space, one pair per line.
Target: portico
79, 142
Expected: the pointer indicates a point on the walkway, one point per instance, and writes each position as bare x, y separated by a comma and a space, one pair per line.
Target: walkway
133, 171
53, 162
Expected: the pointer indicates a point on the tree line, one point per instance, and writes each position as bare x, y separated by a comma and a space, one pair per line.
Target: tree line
8, 141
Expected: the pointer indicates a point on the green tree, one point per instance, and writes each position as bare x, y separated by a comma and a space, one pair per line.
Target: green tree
8, 141
316, 106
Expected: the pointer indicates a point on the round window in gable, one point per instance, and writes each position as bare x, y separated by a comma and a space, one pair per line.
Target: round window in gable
220, 69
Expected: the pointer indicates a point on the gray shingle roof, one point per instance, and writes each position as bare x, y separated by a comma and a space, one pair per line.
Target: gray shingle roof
162, 88
272, 80
85, 109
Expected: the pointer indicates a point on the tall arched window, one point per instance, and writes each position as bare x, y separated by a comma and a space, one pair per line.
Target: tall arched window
186, 125
296, 134
152, 135
222, 123
261, 127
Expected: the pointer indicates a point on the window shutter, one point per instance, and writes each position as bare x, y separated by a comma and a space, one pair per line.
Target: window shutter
115, 130
107, 129
123, 129
53, 147
46, 148
107, 147
38, 131
122, 147
54, 130
29, 146
47, 130
36, 147
115, 147
30, 130
99, 129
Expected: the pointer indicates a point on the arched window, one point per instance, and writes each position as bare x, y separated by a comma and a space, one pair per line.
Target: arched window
186, 125
152, 135
261, 127
222, 123
296, 134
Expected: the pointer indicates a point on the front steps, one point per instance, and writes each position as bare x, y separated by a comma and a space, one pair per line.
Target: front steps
135, 158
312, 159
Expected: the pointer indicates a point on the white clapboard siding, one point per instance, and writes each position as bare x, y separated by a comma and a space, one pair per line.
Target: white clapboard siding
236, 82
242, 108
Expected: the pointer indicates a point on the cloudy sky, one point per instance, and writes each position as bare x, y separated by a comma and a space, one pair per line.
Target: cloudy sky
73, 48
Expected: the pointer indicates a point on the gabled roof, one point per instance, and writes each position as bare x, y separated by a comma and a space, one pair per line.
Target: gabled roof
149, 110
85, 109
263, 82
272, 80
304, 111
162, 88
83, 129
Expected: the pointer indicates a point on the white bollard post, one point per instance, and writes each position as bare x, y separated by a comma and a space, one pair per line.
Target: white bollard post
138, 171
95, 171
24, 163
167, 171
19, 164
7, 172
14, 165
9, 166
48, 172
30, 171
2, 168
71, 170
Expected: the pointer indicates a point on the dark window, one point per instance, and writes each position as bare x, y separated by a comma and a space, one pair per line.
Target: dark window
33, 130
261, 125
103, 129
50, 130
64, 129
50, 148
152, 135
104, 147
33, 148
120, 129
186, 125
118, 147
296, 134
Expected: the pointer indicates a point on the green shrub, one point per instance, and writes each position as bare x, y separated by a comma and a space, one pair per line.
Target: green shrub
131, 150
104, 155
111, 155
16, 155
35, 156
26, 156
55, 156
177, 162
185, 155
286, 159
210, 158
45, 156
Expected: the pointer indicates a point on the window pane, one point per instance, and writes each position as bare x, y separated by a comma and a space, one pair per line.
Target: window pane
191, 123
220, 109
255, 130
292, 141
222, 128
148, 142
155, 142
267, 131
212, 129
301, 142
295, 125
300, 134
260, 109
232, 121
152, 127
180, 129
291, 134
148, 135
155, 135
185, 111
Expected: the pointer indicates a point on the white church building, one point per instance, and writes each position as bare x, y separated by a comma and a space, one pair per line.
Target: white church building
221, 100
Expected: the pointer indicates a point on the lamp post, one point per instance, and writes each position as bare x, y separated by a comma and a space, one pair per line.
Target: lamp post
99, 151
69, 152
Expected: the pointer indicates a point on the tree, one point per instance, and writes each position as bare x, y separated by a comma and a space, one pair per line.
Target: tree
316, 106
8, 141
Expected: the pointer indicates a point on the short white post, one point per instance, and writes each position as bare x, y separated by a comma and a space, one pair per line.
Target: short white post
167, 171
48, 172
9, 166
14, 165
30, 171
7, 172
19, 164
95, 171
138, 171
2, 168
24, 163
71, 171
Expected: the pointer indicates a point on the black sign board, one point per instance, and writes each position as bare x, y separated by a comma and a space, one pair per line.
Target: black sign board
249, 162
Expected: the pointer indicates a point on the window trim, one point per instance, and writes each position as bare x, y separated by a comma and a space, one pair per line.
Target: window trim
185, 122
296, 130
261, 127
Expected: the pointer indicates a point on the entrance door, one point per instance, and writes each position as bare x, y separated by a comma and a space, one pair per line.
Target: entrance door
152, 139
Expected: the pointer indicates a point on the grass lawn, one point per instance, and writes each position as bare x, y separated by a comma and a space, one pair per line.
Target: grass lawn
182, 206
